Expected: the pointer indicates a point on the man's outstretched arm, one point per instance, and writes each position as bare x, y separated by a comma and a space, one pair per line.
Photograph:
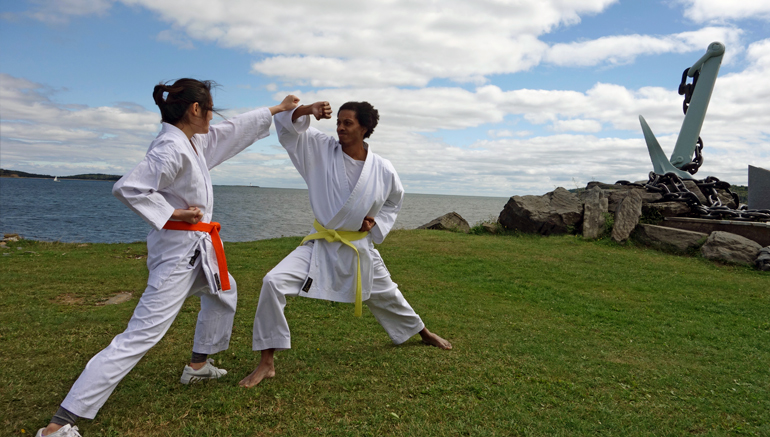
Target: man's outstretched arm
318, 110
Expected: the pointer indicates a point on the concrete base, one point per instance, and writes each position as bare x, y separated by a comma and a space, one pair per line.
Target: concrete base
756, 231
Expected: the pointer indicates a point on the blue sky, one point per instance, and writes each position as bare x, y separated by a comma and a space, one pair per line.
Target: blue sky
491, 98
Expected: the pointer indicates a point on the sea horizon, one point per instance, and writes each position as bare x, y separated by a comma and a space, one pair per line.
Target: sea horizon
38, 209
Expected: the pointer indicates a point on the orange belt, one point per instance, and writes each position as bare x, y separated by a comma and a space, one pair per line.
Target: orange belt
213, 229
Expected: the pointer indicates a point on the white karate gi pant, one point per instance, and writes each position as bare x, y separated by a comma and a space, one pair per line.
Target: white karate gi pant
387, 304
157, 309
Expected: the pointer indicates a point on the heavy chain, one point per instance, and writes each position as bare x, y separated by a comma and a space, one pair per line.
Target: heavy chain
673, 188
686, 90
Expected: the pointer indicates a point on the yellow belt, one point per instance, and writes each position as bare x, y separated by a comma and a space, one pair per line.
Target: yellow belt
344, 237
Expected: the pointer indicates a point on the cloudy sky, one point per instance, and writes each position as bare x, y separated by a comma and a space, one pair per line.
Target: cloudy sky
482, 97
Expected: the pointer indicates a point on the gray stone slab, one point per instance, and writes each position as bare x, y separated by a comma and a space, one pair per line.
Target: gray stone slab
759, 188
673, 239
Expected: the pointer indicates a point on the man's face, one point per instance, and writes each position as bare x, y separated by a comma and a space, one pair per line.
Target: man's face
349, 131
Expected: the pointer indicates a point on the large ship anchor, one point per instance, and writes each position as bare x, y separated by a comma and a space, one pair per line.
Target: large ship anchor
704, 73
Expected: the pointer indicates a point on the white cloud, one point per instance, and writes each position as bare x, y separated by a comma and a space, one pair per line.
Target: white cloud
539, 138
736, 131
60, 11
624, 49
721, 11
37, 131
577, 125
388, 43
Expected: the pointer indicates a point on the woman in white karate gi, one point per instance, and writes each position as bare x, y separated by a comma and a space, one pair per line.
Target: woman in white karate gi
355, 195
171, 190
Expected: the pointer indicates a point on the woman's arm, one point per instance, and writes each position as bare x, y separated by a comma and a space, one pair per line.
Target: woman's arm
289, 102
230, 137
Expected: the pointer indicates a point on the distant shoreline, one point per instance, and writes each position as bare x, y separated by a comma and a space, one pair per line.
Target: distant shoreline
61, 178
16, 174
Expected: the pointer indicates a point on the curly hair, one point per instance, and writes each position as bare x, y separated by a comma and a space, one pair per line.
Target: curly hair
366, 115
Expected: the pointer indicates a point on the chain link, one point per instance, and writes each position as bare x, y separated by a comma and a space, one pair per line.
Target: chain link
673, 188
686, 90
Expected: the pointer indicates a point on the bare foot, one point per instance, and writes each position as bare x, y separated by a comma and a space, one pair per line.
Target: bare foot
51, 428
434, 340
255, 377
265, 369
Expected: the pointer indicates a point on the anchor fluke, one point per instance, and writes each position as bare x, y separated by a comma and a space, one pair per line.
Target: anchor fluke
660, 164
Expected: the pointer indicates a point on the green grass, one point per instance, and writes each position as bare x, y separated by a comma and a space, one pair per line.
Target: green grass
552, 336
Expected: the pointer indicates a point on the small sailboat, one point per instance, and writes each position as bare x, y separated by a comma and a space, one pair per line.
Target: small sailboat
56, 179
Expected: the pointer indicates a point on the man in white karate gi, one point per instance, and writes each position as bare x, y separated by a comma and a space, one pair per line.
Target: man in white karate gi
355, 196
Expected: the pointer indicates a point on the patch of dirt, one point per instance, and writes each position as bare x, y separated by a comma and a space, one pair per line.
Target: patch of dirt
69, 299
120, 297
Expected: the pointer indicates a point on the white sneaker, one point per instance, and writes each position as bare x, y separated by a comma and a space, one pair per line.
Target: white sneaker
208, 371
65, 431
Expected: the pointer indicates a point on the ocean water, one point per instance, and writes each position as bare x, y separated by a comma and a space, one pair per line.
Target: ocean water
86, 211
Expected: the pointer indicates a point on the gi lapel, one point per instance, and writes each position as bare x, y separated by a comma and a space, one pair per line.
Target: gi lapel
348, 210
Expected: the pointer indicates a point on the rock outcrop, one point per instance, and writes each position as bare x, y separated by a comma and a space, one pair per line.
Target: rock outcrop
671, 239
557, 212
732, 248
627, 216
763, 260
448, 222
594, 210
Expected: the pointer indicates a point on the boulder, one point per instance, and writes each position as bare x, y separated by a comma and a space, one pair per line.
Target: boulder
615, 197
763, 260
693, 187
724, 246
594, 208
552, 213
603, 186
668, 209
490, 228
726, 199
11, 237
673, 239
448, 222
627, 216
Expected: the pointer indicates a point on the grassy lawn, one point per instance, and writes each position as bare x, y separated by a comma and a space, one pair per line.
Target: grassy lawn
552, 336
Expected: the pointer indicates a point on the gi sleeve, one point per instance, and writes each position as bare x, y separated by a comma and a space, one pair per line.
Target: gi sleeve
386, 218
302, 142
139, 188
230, 137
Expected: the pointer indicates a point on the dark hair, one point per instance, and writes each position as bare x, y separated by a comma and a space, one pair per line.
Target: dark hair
366, 115
182, 94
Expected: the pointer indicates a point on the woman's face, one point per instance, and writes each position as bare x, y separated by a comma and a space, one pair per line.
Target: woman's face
200, 119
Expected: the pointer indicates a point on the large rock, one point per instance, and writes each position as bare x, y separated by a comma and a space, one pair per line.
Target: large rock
673, 239
448, 222
724, 246
594, 208
552, 213
693, 188
727, 199
668, 209
616, 196
763, 260
627, 216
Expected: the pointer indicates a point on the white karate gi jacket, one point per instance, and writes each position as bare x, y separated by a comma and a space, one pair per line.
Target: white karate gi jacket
378, 193
172, 176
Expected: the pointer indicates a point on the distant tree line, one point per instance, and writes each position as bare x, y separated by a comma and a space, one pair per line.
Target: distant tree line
742, 191
88, 176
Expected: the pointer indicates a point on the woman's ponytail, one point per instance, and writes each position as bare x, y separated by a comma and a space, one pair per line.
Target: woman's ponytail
157, 94
182, 94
